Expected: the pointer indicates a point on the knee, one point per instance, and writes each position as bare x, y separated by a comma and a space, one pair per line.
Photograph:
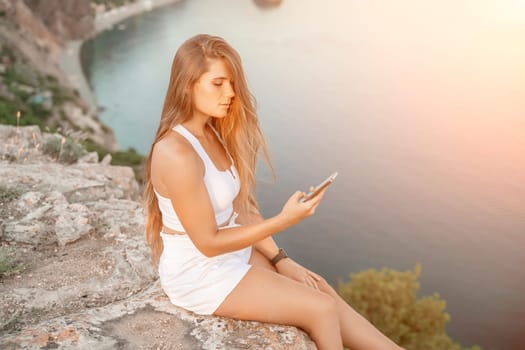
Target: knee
321, 312
327, 288
326, 305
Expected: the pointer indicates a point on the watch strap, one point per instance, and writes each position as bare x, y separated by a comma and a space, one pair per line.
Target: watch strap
281, 255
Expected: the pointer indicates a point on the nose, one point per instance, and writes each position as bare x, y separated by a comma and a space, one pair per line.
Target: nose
229, 92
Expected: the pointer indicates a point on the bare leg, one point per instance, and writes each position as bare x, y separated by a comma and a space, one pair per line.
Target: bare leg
356, 331
266, 296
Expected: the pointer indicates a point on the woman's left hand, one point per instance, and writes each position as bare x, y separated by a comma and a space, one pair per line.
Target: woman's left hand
293, 270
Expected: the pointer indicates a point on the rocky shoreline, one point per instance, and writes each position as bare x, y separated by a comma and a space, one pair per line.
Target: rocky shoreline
107, 19
70, 62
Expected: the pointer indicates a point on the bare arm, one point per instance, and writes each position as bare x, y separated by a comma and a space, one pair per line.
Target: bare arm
266, 246
191, 202
286, 267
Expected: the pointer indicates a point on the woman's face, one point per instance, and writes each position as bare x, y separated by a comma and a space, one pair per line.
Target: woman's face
213, 92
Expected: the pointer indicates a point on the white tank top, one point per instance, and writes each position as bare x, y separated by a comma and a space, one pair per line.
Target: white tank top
222, 186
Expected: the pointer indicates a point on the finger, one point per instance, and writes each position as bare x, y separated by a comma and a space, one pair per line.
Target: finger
316, 204
314, 201
305, 281
310, 283
298, 195
317, 200
319, 196
303, 194
314, 275
322, 192
314, 284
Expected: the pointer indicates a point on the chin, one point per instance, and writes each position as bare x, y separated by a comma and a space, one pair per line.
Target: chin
221, 115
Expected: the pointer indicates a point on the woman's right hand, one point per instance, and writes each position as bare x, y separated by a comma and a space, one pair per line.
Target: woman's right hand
294, 211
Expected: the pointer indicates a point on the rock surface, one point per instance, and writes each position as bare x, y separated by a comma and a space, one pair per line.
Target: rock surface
149, 321
87, 281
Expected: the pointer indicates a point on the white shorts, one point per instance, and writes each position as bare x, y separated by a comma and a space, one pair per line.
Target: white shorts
194, 281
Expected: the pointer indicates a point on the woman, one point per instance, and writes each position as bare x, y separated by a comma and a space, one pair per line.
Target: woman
214, 251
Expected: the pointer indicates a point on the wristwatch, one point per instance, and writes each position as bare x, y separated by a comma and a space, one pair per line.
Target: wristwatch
281, 255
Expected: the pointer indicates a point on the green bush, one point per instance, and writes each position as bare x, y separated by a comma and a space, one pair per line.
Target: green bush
64, 149
92, 146
61, 94
388, 299
31, 113
22, 74
130, 157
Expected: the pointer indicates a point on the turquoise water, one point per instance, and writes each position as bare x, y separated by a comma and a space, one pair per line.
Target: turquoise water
420, 109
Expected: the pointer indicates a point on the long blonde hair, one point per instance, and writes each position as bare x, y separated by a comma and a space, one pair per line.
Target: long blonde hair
239, 130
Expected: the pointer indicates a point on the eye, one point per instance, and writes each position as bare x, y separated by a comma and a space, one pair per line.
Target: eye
217, 83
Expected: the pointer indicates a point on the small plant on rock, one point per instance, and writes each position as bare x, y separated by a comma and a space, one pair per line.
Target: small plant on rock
63, 149
8, 194
8, 263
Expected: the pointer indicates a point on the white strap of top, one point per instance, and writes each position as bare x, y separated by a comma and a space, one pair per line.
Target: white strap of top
196, 143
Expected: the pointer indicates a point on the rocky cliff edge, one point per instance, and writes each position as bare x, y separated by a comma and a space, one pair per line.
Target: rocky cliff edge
78, 273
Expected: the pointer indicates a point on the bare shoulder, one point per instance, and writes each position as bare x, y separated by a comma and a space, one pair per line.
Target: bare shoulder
172, 147
169, 156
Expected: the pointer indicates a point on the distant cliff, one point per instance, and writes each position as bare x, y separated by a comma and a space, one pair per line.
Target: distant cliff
71, 19
32, 38
39, 29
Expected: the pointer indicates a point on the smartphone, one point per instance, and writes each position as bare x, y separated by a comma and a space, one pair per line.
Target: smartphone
319, 187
